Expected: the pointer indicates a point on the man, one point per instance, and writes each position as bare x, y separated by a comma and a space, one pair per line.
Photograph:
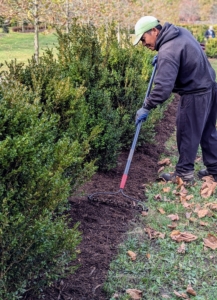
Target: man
210, 33
183, 68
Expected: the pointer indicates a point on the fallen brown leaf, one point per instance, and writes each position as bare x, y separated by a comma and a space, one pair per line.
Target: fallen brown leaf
158, 197
198, 159
210, 241
166, 189
174, 217
173, 225
181, 249
212, 206
179, 182
144, 213
188, 215
131, 254
182, 295
192, 219
197, 208
190, 290
161, 210
189, 197
161, 169
148, 255
182, 198
187, 205
208, 187
202, 213
165, 161
178, 236
183, 190
204, 223
134, 294
154, 234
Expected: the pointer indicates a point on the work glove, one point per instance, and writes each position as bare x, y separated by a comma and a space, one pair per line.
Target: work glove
141, 115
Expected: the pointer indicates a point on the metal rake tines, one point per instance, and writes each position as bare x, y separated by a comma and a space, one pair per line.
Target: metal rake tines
109, 200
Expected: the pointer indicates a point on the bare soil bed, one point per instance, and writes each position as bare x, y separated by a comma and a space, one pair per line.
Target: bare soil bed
103, 226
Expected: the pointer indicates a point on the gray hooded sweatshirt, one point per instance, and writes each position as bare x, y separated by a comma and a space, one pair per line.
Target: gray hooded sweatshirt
182, 66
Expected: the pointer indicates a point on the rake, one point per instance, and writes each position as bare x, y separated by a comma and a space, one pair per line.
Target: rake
130, 156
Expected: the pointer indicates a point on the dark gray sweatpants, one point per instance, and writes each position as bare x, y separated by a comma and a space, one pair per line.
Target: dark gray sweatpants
196, 125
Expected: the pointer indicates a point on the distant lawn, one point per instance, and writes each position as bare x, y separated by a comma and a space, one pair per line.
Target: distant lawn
20, 46
213, 62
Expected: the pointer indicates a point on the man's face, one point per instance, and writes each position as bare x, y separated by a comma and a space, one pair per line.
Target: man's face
149, 38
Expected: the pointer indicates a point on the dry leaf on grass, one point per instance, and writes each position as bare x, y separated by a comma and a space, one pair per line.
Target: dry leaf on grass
189, 197
178, 236
161, 210
204, 223
134, 294
181, 249
188, 215
161, 169
154, 234
148, 255
166, 189
192, 219
208, 179
182, 295
202, 213
174, 217
158, 197
131, 254
144, 213
179, 182
190, 290
187, 205
198, 159
210, 241
197, 208
183, 190
212, 206
208, 187
165, 161
173, 225
182, 198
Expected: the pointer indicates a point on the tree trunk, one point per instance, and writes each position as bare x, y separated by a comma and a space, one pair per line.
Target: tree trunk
22, 24
67, 16
36, 37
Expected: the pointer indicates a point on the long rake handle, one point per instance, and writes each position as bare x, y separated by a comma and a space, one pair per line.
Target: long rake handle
138, 127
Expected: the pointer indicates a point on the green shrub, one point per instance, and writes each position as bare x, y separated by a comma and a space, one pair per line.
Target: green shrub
36, 243
58, 120
211, 48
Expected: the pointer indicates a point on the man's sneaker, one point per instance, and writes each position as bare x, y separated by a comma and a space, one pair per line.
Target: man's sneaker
204, 172
188, 177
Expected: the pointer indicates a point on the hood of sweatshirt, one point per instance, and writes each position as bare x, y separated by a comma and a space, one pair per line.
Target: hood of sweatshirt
167, 33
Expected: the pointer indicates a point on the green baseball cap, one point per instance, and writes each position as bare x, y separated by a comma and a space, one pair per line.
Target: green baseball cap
144, 24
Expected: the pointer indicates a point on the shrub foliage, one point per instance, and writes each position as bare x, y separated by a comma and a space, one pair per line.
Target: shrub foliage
59, 120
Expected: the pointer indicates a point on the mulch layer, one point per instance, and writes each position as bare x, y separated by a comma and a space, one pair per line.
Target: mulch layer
103, 226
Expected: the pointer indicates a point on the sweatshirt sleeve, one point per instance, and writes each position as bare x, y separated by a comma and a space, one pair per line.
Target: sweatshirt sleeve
167, 71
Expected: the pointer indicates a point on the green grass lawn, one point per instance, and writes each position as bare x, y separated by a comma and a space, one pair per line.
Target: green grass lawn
20, 46
213, 62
